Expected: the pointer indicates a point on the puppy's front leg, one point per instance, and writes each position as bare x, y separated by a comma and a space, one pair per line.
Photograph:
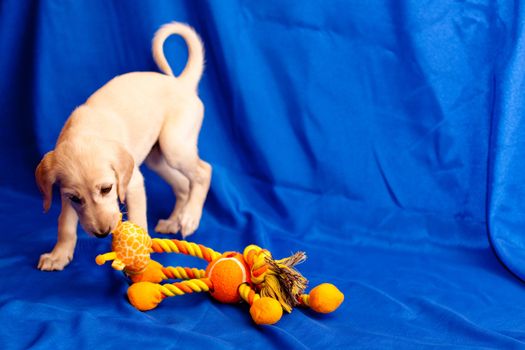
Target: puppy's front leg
62, 253
136, 200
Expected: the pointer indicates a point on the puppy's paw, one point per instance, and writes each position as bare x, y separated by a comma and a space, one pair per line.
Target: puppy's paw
189, 221
54, 261
167, 226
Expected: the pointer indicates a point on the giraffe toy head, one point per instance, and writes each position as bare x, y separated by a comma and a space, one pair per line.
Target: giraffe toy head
131, 248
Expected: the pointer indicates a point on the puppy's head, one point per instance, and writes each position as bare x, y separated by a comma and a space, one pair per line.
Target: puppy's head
93, 175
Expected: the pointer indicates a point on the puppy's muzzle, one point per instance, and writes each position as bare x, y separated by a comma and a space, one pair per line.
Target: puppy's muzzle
101, 234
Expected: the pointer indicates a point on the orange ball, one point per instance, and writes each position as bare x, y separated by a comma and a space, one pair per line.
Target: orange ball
325, 298
226, 274
266, 311
145, 295
152, 273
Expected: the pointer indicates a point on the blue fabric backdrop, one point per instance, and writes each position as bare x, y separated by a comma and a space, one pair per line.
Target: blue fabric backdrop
385, 139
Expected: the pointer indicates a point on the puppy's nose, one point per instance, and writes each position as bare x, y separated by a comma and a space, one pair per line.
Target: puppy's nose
101, 234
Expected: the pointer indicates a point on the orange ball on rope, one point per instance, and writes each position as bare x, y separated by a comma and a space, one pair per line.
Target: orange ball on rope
226, 274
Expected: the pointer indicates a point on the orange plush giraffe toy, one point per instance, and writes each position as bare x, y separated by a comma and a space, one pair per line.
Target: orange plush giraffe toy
269, 286
131, 249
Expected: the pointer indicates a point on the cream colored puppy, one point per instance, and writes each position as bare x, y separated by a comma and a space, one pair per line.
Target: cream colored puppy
136, 117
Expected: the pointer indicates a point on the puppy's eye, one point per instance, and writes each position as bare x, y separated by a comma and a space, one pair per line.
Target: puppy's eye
75, 199
106, 190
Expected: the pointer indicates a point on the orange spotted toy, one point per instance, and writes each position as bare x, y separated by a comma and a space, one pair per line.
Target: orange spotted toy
267, 285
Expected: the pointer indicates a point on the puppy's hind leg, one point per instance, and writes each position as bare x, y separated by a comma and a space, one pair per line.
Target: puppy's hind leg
178, 182
181, 153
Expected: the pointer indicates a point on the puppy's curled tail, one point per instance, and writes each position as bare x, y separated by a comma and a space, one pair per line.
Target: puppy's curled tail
193, 71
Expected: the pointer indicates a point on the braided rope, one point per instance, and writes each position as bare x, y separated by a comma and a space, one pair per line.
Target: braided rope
248, 294
249, 253
256, 258
304, 299
162, 245
179, 272
185, 287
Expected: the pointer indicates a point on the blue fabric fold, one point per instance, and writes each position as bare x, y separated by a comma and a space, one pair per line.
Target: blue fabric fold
505, 186
383, 139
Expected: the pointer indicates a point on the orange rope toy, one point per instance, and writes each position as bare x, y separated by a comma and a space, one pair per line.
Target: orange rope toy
269, 286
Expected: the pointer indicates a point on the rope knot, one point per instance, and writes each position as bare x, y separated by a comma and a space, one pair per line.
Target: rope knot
256, 258
276, 279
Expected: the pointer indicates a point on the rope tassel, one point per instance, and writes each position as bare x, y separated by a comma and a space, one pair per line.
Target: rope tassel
284, 283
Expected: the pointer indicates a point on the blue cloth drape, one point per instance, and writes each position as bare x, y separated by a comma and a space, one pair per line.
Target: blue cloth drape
382, 138
506, 172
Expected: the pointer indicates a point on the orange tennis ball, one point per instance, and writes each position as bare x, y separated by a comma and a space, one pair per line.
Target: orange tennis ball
226, 274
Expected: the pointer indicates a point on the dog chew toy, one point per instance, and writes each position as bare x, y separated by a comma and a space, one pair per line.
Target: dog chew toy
269, 286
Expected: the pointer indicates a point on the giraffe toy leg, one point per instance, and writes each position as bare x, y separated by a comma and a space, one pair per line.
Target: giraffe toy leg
324, 298
117, 263
102, 258
263, 310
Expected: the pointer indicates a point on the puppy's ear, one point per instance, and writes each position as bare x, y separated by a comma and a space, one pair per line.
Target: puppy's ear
45, 178
123, 165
